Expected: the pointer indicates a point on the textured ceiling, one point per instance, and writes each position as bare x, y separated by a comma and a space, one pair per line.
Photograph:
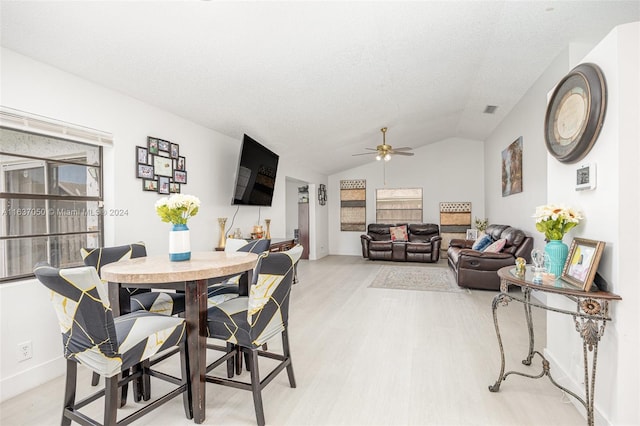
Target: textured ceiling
315, 80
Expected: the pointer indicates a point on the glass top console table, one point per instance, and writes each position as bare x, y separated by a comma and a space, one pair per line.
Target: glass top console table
590, 317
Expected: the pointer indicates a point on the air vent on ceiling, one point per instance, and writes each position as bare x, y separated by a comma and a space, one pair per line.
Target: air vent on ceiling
490, 109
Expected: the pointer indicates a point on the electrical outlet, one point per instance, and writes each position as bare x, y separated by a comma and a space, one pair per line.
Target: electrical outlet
25, 351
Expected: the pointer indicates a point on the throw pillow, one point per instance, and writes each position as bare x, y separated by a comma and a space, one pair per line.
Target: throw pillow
496, 247
398, 233
482, 243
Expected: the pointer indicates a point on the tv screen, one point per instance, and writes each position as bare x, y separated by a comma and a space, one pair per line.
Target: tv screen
256, 176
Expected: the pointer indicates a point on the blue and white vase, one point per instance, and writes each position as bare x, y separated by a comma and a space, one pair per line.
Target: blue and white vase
179, 243
557, 252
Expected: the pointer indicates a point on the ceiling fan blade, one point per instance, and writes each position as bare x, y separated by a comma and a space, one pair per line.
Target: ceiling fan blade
364, 153
371, 149
402, 153
404, 148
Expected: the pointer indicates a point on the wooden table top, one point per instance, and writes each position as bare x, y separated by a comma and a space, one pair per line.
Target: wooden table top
159, 269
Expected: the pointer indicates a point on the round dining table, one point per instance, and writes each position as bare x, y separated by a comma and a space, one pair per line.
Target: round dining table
192, 277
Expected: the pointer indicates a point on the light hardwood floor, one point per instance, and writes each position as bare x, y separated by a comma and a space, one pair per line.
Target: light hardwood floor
369, 356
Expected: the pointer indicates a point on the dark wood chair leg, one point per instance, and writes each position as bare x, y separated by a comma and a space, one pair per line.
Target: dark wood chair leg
146, 380
111, 401
231, 361
69, 391
287, 353
138, 387
238, 358
124, 390
252, 365
95, 378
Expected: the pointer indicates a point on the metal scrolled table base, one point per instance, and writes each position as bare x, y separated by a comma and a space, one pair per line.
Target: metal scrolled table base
590, 323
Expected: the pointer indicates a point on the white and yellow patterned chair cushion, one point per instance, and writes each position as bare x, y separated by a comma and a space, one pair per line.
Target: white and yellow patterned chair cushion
253, 320
91, 336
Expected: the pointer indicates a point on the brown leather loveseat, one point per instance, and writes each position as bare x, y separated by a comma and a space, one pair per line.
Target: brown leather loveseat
478, 269
422, 243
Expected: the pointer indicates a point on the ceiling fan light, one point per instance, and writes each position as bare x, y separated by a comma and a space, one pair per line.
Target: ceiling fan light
378, 157
387, 157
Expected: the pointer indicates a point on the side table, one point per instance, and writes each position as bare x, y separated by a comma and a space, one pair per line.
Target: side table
590, 317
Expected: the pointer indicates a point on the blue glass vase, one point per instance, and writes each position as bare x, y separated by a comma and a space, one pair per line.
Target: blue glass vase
179, 243
557, 252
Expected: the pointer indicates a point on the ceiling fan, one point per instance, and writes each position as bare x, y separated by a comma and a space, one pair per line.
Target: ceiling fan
385, 151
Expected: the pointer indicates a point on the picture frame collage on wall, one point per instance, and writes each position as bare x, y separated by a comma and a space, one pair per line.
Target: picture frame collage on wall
160, 166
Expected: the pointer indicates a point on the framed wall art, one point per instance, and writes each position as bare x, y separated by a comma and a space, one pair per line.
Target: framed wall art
512, 168
160, 166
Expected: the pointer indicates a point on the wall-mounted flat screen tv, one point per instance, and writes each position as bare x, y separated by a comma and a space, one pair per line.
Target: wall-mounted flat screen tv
256, 176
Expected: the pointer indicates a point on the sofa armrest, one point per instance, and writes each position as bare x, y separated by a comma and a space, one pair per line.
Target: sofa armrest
478, 260
364, 239
458, 242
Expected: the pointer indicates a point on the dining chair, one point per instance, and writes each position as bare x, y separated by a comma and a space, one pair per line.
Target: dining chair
250, 321
230, 289
110, 346
133, 299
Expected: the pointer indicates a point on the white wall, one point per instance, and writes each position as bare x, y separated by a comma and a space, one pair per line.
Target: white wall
211, 160
450, 170
611, 215
611, 212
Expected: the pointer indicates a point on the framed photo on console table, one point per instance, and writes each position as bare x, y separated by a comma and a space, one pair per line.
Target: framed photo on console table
582, 262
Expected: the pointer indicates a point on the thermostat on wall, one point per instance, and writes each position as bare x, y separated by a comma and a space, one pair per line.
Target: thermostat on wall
586, 177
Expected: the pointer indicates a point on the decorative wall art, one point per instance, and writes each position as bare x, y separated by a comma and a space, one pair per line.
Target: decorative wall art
353, 205
455, 219
160, 166
512, 168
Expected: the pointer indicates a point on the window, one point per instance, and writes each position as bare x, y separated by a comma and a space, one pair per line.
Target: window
51, 199
399, 205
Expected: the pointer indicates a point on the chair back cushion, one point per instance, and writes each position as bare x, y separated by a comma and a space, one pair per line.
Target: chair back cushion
256, 246
379, 231
91, 336
101, 256
423, 232
81, 302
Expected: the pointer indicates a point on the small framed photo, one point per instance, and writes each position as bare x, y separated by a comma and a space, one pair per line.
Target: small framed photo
181, 164
142, 155
152, 145
163, 185
180, 177
145, 171
163, 145
149, 185
582, 262
163, 166
174, 150
174, 188
472, 234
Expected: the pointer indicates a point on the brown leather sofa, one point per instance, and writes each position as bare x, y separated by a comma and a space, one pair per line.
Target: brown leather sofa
423, 243
477, 269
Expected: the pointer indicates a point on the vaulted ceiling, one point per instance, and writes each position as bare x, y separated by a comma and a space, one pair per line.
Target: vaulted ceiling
315, 80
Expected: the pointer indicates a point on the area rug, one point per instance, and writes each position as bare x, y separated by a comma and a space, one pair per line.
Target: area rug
416, 278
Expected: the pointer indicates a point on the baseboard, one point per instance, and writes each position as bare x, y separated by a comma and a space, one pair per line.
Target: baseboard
563, 379
29, 379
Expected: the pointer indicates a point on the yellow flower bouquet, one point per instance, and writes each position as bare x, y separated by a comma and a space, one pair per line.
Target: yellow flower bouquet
556, 220
178, 208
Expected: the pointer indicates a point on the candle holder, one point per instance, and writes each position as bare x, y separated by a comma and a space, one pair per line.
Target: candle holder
268, 233
222, 221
